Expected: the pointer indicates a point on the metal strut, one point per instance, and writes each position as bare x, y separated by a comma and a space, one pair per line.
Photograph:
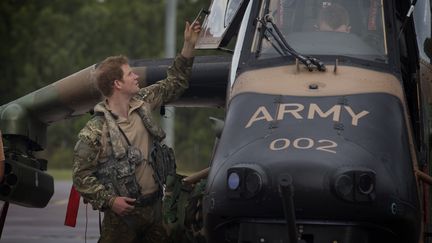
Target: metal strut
286, 192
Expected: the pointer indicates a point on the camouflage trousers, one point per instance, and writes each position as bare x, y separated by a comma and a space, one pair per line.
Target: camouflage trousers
144, 224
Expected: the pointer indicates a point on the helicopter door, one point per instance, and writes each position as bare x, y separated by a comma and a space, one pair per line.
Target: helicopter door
221, 24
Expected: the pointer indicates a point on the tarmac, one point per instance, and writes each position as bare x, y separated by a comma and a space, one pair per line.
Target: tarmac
46, 225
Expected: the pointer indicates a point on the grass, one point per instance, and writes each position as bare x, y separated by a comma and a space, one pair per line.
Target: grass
61, 174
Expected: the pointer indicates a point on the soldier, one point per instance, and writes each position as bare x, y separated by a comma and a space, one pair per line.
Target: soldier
111, 158
333, 18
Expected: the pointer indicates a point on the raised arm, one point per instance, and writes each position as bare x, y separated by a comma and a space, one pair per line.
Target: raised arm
178, 75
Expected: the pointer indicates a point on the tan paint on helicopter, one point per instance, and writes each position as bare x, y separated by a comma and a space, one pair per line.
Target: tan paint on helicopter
287, 80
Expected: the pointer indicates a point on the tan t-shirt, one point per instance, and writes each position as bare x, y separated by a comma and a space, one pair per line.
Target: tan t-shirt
2, 157
138, 135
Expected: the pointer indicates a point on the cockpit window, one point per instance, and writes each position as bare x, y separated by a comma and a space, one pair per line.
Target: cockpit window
341, 27
216, 26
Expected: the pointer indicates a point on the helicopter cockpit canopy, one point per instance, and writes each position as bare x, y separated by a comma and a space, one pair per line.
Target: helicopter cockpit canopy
220, 24
352, 28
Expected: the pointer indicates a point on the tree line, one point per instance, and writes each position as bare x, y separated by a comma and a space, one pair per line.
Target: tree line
46, 40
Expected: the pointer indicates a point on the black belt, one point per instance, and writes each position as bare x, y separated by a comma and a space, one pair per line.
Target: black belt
149, 199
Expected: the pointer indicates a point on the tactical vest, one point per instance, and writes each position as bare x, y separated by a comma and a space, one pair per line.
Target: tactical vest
115, 170
118, 175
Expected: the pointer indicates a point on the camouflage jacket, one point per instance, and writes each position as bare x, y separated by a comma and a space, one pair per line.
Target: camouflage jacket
101, 136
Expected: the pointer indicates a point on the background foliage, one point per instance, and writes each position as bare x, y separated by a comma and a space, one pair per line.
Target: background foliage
46, 40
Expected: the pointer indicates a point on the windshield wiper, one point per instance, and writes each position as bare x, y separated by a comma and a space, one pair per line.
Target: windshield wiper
271, 31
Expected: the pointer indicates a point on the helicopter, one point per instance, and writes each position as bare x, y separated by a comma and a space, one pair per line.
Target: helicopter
326, 136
